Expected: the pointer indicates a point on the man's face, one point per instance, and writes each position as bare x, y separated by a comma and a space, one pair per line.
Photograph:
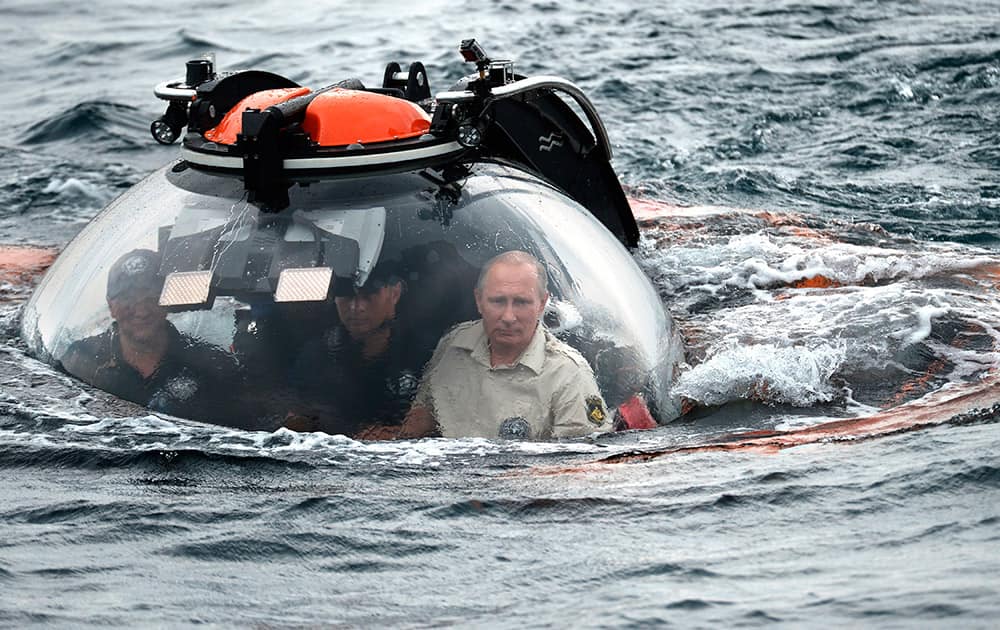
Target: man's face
511, 304
366, 312
139, 315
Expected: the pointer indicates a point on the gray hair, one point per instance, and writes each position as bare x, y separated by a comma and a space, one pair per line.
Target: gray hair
516, 257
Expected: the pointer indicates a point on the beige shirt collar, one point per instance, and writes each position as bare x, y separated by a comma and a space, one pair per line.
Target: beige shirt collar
474, 340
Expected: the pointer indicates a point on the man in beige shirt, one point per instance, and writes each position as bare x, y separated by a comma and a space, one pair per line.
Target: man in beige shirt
506, 376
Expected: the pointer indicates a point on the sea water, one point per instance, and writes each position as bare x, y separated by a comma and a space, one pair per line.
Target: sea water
855, 142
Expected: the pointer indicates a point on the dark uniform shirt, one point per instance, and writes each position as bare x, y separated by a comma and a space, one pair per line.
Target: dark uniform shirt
346, 391
193, 380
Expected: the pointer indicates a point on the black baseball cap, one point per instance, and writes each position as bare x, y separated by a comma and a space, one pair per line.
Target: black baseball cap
138, 271
384, 274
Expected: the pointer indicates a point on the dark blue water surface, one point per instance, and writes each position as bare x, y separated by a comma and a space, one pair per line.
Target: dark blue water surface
857, 141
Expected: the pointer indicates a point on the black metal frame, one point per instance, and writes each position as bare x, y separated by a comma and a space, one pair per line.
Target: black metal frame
496, 115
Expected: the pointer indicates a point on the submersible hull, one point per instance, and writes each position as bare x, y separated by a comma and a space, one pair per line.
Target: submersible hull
274, 209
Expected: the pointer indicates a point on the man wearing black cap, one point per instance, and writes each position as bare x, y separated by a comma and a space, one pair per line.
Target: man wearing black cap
359, 375
142, 357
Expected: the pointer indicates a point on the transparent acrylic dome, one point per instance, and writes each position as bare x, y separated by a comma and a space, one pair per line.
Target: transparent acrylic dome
243, 320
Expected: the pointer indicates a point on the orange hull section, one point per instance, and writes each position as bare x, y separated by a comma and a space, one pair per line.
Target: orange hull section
946, 405
232, 123
23, 264
342, 117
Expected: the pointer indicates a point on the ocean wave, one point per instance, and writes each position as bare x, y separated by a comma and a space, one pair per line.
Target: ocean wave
200, 41
77, 52
113, 126
40, 455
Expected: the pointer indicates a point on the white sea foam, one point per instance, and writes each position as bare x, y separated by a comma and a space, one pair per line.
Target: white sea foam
73, 187
793, 375
903, 90
922, 329
752, 334
764, 260
568, 315
140, 425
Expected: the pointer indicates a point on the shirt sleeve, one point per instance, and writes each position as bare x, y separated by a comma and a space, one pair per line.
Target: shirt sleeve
423, 396
577, 406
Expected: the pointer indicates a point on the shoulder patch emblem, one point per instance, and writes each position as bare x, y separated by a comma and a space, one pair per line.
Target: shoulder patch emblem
181, 387
134, 265
595, 410
405, 385
515, 428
